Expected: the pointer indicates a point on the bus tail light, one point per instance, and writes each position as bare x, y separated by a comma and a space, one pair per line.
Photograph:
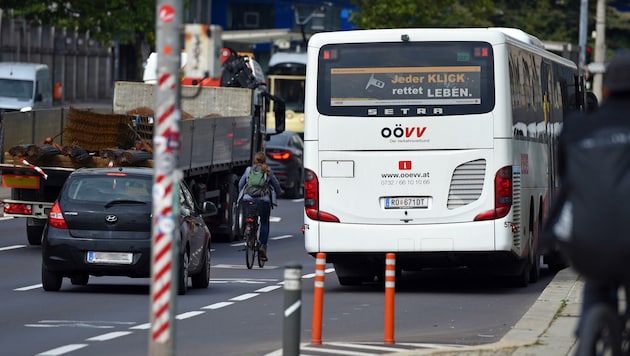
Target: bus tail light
502, 195
311, 199
56, 219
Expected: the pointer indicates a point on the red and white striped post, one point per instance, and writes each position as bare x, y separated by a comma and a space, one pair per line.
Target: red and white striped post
390, 289
318, 298
166, 141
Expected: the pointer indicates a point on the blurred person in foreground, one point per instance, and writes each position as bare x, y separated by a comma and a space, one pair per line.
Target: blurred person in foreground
603, 134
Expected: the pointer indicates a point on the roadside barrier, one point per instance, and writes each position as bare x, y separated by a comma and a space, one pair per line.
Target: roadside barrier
318, 299
390, 291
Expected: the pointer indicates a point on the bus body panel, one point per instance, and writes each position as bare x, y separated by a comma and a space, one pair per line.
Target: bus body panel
416, 133
430, 176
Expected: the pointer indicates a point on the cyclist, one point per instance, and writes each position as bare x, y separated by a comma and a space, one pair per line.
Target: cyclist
265, 198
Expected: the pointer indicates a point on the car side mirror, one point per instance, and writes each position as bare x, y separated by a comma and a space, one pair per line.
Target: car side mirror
280, 114
209, 209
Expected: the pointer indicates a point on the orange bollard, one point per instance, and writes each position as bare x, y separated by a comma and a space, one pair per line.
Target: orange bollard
390, 284
58, 91
318, 299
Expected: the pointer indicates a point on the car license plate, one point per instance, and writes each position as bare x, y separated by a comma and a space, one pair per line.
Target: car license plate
123, 258
406, 202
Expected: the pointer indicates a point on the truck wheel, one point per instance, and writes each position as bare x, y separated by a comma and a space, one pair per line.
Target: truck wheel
230, 209
34, 233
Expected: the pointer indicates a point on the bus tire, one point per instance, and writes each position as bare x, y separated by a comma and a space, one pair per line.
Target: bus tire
534, 260
521, 279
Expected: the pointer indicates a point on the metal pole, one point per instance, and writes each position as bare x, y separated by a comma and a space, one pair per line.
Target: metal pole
165, 234
292, 309
600, 46
582, 34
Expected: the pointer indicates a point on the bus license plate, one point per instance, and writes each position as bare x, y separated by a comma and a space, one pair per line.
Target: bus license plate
123, 258
406, 202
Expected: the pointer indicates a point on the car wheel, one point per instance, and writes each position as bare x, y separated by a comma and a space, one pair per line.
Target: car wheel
183, 272
51, 281
202, 279
80, 279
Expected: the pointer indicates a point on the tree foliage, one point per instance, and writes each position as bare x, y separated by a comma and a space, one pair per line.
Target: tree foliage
426, 13
550, 20
128, 22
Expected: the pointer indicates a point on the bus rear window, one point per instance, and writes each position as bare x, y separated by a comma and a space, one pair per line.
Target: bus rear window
405, 79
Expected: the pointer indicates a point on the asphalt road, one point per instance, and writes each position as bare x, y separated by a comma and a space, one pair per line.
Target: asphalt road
241, 313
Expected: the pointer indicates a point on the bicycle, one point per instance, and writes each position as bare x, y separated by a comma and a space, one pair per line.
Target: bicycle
606, 331
251, 235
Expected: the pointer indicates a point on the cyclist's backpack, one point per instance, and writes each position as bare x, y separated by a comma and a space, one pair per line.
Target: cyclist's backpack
590, 225
257, 184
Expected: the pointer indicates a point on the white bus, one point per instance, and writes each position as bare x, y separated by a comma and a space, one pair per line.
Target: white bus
434, 144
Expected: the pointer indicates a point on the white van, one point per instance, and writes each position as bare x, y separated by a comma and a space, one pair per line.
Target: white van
150, 67
24, 86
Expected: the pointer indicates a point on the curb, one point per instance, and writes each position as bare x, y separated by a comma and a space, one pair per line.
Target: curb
545, 329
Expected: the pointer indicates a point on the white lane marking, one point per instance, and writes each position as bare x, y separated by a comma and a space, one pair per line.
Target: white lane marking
217, 305
189, 314
13, 247
335, 351
95, 324
312, 275
275, 219
40, 326
362, 346
281, 237
109, 336
228, 266
62, 350
244, 296
419, 345
144, 326
22, 289
268, 289
6, 218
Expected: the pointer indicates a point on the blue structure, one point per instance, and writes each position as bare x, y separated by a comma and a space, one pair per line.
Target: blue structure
260, 16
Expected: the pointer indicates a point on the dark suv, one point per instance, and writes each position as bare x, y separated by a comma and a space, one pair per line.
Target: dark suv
101, 223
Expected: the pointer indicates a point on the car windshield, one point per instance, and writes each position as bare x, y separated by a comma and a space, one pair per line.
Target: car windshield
20, 89
105, 189
278, 140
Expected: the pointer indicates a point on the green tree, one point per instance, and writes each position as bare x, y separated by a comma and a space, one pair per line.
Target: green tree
129, 22
422, 13
549, 20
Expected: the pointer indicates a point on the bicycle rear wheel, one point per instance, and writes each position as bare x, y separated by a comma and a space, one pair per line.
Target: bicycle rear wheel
261, 262
250, 249
601, 333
